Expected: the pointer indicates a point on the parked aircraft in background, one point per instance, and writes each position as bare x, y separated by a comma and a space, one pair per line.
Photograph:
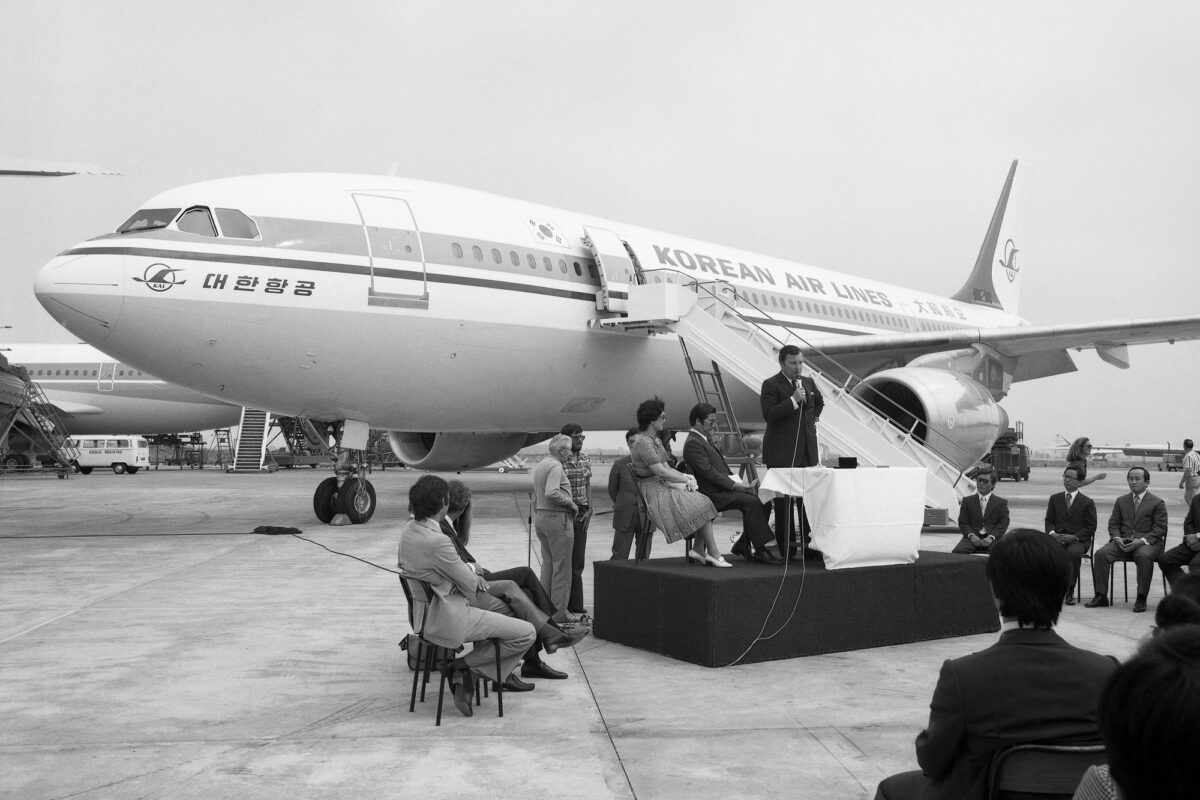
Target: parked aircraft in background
1142, 450
94, 393
470, 324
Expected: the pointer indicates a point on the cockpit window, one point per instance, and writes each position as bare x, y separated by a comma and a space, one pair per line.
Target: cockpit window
197, 220
236, 225
148, 219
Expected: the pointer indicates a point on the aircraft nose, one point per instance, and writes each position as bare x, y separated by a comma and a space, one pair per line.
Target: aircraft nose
84, 292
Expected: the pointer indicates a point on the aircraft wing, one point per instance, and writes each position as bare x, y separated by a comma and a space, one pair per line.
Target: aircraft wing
48, 169
1042, 349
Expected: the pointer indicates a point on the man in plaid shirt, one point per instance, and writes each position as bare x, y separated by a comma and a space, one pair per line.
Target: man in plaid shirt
579, 472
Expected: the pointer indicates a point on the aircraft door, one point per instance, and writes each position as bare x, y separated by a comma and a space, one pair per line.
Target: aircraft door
617, 269
398, 275
106, 375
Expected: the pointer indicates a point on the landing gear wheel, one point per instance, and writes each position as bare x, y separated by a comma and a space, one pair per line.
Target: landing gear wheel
357, 499
325, 500
119, 468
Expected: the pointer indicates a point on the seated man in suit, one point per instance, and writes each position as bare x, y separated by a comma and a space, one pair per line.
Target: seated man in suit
1071, 521
425, 553
1137, 529
1029, 687
982, 517
1186, 553
622, 490
714, 480
515, 592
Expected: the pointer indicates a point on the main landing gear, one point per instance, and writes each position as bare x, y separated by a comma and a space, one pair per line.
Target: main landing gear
348, 493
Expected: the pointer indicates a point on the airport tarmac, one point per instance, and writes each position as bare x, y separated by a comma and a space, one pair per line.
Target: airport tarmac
152, 646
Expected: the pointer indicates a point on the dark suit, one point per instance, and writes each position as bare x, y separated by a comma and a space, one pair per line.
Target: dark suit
622, 490
1031, 686
973, 519
1149, 522
789, 441
1079, 521
714, 481
1172, 562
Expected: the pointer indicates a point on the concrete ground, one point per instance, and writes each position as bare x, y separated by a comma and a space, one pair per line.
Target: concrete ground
152, 646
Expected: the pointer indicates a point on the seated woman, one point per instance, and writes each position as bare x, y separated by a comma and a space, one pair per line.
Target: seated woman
681, 511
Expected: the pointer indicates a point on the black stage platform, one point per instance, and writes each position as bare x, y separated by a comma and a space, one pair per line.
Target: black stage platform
708, 616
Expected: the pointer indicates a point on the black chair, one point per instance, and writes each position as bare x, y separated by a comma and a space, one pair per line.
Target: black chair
1112, 579
1079, 578
430, 654
1044, 771
643, 538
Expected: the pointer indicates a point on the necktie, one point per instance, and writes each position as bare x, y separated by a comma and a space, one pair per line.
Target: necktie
1137, 501
1070, 499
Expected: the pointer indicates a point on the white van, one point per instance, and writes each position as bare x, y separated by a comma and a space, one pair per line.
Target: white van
121, 454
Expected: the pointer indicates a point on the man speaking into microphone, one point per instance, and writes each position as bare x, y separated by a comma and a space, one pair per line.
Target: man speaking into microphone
791, 405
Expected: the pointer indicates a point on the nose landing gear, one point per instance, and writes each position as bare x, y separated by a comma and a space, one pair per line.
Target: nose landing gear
348, 493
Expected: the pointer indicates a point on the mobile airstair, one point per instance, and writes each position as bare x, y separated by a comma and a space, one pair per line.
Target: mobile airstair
251, 451
705, 316
27, 415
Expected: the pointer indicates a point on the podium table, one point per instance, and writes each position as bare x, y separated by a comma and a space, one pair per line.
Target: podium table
860, 517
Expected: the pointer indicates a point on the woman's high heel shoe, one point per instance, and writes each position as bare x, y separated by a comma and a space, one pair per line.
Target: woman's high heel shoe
694, 557
720, 561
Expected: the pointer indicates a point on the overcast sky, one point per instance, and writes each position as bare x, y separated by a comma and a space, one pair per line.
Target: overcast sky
871, 138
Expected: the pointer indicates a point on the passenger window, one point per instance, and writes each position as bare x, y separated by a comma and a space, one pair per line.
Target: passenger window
236, 225
496, 256
477, 252
562, 265
198, 221
148, 219
456, 248
516, 259
548, 265
592, 271
578, 269
532, 261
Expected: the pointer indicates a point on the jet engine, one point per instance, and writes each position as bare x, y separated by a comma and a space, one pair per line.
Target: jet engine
455, 451
948, 411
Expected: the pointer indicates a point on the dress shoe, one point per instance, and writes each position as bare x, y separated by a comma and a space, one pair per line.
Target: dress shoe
692, 555
1069, 600
554, 638
540, 669
1099, 601
462, 684
767, 557
514, 684
1139, 605
719, 561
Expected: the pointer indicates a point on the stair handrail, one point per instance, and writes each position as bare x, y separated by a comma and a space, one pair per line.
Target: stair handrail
852, 381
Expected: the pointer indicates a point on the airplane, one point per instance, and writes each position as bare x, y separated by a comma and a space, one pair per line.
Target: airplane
93, 393
470, 325
1143, 450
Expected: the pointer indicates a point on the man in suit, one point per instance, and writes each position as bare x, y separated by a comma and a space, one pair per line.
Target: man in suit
1071, 521
622, 490
715, 481
1137, 529
426, 554
791, 405
1187, 552
1029, 687
982, 517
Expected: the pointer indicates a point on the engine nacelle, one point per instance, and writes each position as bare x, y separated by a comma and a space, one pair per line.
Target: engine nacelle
949, 411
454, 451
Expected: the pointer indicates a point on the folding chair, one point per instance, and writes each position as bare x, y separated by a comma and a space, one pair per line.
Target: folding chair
1112, 579
430, 654
1041, 770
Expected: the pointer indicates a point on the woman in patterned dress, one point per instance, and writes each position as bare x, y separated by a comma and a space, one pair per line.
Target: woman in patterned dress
1077, 457
671, 498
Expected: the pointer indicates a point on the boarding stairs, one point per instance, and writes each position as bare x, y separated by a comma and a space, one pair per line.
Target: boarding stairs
705, 317
250, 455
33, 417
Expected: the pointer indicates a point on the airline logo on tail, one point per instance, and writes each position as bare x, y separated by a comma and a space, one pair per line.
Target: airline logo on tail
1009, 262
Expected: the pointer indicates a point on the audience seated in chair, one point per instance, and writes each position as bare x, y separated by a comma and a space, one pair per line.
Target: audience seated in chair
1029, 687
425, 553
1071, 521
1148, 718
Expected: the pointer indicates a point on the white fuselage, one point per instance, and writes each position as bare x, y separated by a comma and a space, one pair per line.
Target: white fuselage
419, 306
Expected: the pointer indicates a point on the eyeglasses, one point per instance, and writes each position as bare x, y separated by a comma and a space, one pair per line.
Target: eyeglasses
578, 436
